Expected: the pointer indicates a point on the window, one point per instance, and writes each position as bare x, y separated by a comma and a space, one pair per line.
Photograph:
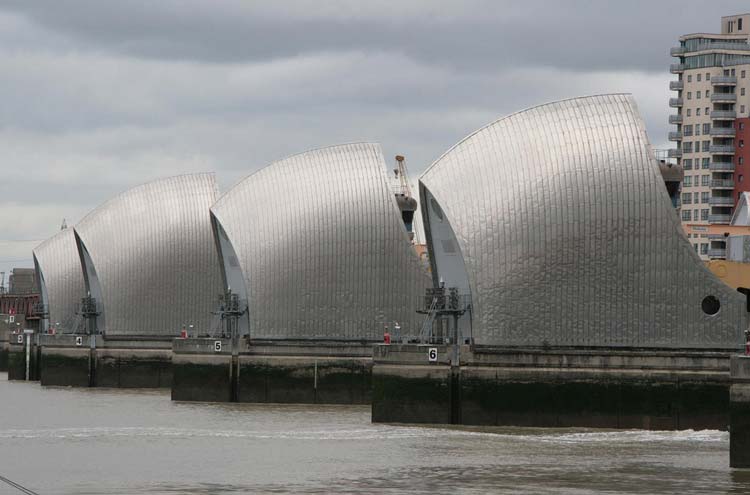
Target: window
688, 112
742, 91
705, 180
697, 112
687, 147
739, 24
733, 73
742, 143
708, 76
698, 77
697, 129
742, 110
706, 111
687, 198
696, 198
704, 248
690, 95
690, 78
706, 128
704, 199
742, 74
696, 247
742, 125
706, 163
690, 235
707, 93
688, 181
685, 215
741, 160
696, 214
687, 164
697, 95
739, 178
705, 145
687, 130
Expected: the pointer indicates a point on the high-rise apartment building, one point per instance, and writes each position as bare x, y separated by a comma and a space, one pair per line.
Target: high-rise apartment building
711, 115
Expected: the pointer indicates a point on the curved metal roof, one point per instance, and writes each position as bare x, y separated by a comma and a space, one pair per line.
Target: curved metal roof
60, 279
322, 248
154, 257
569, 237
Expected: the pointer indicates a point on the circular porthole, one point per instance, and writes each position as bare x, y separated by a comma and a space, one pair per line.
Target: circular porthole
710, 305
436, 209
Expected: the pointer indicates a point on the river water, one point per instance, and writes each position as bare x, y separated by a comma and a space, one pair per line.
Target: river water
99, 441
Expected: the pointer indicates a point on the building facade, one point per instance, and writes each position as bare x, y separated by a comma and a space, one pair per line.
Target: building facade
597, 260
711, 116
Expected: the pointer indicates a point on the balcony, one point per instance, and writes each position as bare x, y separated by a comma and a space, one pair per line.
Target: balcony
721, 45
675, 136
717, 237
721, 166
724, 80
676, 68
720, 219
723, 131
721, 201
676, 85
677, 51
717, 253
721, 149
674, 153
675, 102
723, 115
675, 119
722, 184
724, 97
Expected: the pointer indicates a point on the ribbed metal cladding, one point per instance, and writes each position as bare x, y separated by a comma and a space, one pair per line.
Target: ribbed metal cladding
154, 256
322, 247
61, 279
569, 237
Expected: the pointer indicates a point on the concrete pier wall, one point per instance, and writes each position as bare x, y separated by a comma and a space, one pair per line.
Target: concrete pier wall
17, 358
69, 360
560, 388
739, 425
3, 349
271, 372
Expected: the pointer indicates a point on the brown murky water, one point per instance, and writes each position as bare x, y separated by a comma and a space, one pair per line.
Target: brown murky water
74, 441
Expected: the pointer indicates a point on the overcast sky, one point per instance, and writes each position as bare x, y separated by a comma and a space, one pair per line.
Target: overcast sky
96, 97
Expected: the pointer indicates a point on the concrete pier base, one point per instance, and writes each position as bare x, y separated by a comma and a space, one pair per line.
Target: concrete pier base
18, 356
545, 388
70, 360
271, 372
739, 424
3, 349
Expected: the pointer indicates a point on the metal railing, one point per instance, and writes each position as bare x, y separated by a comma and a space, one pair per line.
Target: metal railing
724, 80
721, 201
674, 136
723, 115
722, 183
676, 85
722, 219
717, 253
675, 102
721, 149
675, 119
676, 68
721, 166
676, 51
674, 153
724, 97
723, 131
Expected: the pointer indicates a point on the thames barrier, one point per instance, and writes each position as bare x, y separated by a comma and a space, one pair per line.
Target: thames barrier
555, 287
